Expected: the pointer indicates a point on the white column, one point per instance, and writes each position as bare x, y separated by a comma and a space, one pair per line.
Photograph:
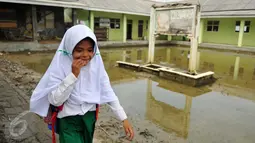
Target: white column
169, 38
91, 20
194, 41
201, 31
151, 37
198, 60
241, 32
124, 28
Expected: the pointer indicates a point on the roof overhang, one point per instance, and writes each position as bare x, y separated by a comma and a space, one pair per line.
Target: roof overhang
115, 11
228, 14
67, 4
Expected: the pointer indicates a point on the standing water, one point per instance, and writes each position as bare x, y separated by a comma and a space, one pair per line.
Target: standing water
223, 112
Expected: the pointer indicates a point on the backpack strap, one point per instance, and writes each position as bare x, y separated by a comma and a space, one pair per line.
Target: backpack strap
51, 120
97, 111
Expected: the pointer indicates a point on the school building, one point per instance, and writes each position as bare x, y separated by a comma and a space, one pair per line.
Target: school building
117, 20
111, 20
34, 20
228, 22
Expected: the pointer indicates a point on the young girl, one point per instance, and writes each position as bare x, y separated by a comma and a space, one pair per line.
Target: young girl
76, 79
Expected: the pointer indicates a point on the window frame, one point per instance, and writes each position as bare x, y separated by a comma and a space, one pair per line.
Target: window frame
246, 24
115, 23
214, 24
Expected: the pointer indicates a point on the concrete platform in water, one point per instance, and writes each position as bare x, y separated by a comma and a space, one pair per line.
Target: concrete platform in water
171, 73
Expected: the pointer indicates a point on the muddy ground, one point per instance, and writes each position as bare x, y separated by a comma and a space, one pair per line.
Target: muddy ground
108, 128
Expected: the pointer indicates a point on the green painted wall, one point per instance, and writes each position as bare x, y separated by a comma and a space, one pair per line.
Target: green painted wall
248, 38
117, 34
83, 15
227, 34
114, 34
135, 25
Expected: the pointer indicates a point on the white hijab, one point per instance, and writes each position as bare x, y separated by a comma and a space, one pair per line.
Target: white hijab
92, 86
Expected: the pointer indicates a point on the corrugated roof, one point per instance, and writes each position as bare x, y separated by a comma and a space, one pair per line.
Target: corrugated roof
228, 8
56, 3
210, 8
227, 5
138, 7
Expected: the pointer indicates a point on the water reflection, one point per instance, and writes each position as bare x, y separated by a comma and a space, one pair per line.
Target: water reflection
233, 69
170, 116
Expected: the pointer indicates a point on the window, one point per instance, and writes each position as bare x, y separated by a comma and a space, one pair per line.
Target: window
247, 25
213, 26
96, 22
115, 23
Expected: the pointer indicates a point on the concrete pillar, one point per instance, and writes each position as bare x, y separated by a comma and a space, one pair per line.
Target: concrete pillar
148, 31
91, 20
241, 32
169, 38
236, 69
194, 41
201, 31
74, 16
198, 60
124, 28
34, 22
151, 37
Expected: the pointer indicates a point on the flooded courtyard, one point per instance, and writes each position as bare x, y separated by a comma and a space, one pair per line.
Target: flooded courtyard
165, 111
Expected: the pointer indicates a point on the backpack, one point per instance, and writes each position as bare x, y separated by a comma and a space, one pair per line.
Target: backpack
51, 119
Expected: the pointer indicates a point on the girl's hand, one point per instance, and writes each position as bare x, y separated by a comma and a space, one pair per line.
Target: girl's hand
76, 66
128, 129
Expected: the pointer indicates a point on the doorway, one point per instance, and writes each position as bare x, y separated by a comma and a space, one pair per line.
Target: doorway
129, 29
